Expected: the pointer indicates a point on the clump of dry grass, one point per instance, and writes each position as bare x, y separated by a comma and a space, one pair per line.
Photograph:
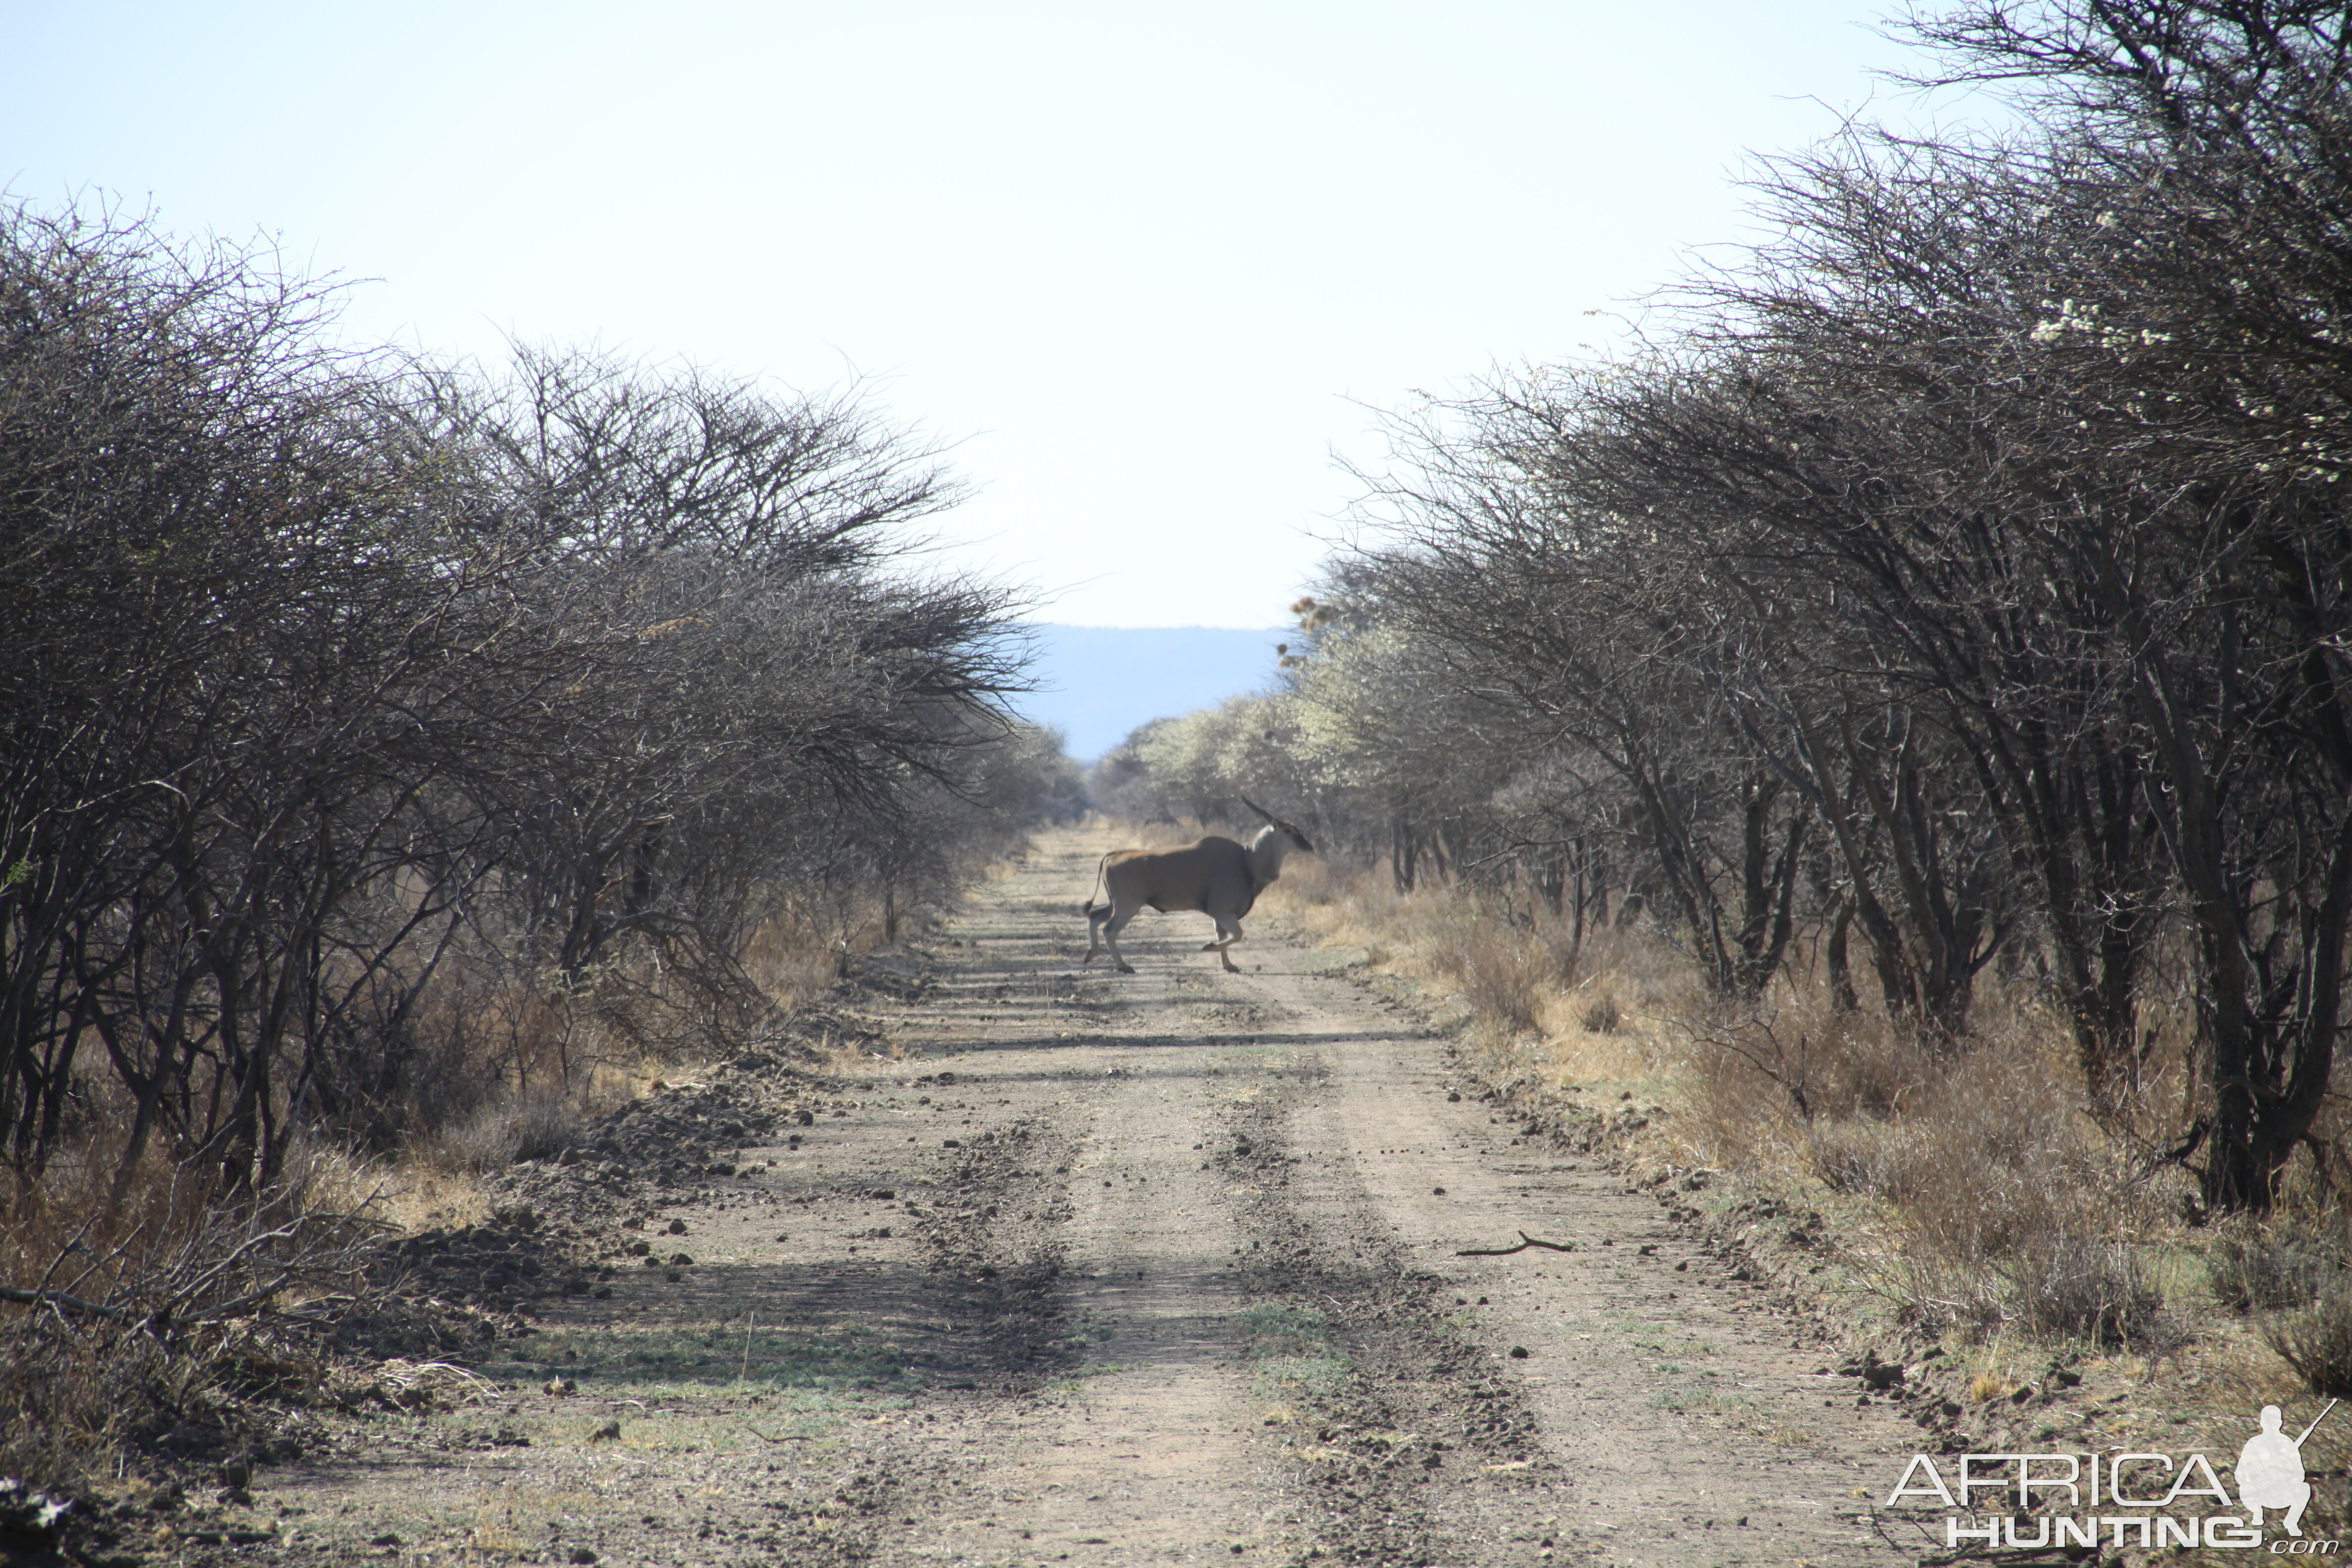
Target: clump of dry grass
1824, 1067
1987, 1201
503, 1060
520, 1063
495, 1135
1504, 973
800, 948
2002, 1204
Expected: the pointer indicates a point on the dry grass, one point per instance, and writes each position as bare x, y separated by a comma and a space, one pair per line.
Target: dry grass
521, 1067
1984, 1202
417, 1194
1980, 1202
503, 1132
798, 950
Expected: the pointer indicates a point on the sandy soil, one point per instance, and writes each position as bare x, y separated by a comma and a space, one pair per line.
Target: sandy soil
1116, 1269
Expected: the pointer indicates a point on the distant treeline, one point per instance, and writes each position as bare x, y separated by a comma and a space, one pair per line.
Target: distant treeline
1965, 581
356, 706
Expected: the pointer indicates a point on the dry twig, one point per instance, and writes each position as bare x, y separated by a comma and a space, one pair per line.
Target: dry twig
1526, 1241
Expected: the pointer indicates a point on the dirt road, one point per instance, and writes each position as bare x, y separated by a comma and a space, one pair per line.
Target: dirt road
1121, 1269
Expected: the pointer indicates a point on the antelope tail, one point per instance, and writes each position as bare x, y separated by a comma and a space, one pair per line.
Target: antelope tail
1088, 908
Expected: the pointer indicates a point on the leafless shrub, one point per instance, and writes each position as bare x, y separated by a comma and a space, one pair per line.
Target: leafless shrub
2064, 1284
1828, 1066
1979, 1173
2050, 1278
118, 1321
1311, 882
1856, 1157
1941, 1300
2003, 1204
2316, 1340
2256, 1268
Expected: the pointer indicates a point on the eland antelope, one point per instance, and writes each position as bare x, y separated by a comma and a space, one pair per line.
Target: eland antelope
1217, 877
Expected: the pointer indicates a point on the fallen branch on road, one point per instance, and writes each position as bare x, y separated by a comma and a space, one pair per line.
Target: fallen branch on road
1526, 1241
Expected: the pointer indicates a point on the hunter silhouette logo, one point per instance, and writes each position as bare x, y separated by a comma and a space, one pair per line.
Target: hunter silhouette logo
2270, 1470
2123, 1498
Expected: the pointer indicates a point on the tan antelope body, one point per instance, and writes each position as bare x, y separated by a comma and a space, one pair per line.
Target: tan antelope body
1217, 877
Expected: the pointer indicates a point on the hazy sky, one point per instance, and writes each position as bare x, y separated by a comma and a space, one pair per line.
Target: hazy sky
1147, 266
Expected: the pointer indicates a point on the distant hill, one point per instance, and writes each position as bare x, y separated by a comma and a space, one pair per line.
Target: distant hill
1100, 682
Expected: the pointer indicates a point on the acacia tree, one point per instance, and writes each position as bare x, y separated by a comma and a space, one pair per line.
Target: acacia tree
1878, 655
760, 688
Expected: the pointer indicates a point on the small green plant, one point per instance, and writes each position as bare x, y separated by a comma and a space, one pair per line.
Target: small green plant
1275, 1329
1280, 1377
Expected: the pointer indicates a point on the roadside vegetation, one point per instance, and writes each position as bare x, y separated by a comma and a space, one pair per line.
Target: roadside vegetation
1885, 736
401, 761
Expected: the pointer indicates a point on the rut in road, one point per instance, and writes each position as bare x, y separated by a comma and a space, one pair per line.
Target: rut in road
1163, 1267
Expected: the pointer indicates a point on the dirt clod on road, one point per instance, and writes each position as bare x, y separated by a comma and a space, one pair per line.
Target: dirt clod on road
1102, 1269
